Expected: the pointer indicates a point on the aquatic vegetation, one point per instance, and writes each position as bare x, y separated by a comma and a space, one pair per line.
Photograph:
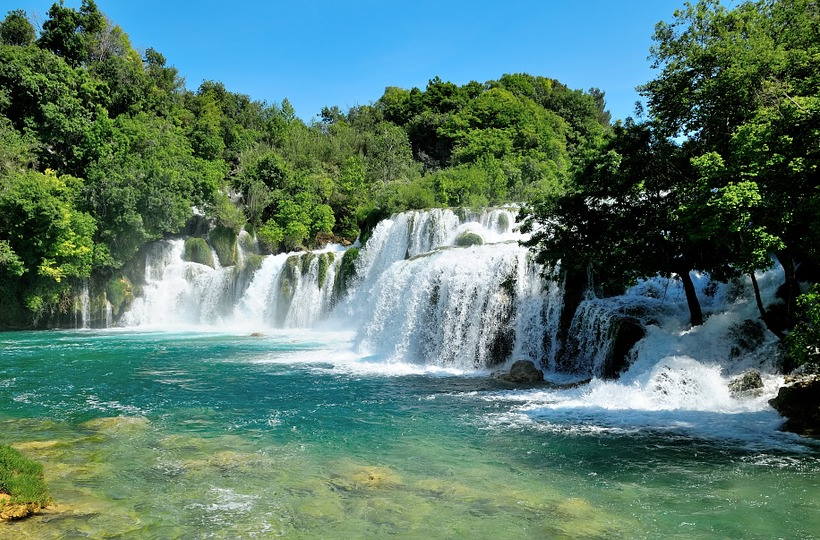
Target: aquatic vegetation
22, 488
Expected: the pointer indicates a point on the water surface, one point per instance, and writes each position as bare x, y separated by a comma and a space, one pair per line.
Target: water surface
211, 435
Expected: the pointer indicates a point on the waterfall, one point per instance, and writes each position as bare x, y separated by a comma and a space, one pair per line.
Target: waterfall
451, 288
82, 312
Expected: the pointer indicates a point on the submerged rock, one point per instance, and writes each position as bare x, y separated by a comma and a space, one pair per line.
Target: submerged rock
799, 401
627, 331
366, 477
117, 424
522, 372
12, 511
748, 383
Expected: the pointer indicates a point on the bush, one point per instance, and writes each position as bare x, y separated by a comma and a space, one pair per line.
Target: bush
803, 342
21, 479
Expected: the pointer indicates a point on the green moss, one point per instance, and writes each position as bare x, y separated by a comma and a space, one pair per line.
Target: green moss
197, 250
253, 262
325, 260
287, 286
503, 222
223, 240
469, 239
120, 291
21, 479
347, 270
307, 258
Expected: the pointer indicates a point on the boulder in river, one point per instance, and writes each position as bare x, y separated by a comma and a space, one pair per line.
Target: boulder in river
799, 401
522, 372
748, 383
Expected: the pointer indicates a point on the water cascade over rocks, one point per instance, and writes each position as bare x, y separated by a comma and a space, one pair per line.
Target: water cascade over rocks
454, 288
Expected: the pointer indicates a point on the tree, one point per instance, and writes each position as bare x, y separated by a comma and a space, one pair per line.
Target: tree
40, 206
16, 29
619, 217
71, 33
744, 84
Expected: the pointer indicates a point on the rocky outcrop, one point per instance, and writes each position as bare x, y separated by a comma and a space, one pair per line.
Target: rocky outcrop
627, 331
466, 239
799, 401
522, 372
197, 250
12, 511
748, 383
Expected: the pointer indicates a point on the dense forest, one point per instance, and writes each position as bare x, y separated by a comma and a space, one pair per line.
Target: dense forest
104, 150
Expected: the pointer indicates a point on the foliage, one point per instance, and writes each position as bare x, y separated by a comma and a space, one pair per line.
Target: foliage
803, 342
41, 205
721, 176
16, 29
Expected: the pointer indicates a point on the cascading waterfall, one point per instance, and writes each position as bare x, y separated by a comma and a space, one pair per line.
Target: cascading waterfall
82, 311
451, 288
283, 291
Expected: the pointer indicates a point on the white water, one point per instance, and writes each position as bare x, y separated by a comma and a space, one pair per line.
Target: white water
419, 302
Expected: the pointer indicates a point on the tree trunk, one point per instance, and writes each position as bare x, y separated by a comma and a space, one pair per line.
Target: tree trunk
763, 315
695, 313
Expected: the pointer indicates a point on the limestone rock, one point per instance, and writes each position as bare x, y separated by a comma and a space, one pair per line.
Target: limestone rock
748, 383
799, 402
522, 372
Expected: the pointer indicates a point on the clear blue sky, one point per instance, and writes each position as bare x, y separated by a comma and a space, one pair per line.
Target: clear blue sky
320, 52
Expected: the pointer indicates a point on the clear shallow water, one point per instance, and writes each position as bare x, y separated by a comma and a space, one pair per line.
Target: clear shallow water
191, 434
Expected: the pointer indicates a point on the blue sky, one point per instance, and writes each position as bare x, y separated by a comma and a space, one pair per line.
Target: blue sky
319, 53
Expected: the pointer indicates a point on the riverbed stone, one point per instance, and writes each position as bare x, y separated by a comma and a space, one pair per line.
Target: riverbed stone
748, 383
799, 401
522, 372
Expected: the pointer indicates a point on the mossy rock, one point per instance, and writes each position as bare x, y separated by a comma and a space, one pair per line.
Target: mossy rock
503, 223
120, 292
253, 262
466, 239
307, 259
223, 240
325, 260
197, 250
347, 270
287, 286
247, 243
22, 488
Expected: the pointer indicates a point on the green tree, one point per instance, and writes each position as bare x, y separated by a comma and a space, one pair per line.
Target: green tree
16, 29
73, 34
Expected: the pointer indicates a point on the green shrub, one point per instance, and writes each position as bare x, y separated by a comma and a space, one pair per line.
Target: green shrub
21, 478
803, 342
197, 250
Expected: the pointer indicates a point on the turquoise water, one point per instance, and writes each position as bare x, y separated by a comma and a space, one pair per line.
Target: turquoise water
208, 435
